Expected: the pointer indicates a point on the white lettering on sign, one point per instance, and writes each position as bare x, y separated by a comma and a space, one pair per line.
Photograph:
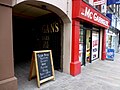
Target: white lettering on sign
88, 13
94, 16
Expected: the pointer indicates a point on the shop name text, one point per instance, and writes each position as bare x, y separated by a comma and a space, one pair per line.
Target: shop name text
94, 16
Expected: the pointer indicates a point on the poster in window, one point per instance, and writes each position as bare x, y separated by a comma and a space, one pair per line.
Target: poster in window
95, 44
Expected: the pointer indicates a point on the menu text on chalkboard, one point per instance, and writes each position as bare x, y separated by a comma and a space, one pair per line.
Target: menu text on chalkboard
42, 63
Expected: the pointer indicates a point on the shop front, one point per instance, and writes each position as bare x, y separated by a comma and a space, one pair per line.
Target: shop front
112, 40
88, 35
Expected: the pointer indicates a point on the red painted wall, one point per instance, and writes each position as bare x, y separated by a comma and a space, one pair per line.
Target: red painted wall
75, 65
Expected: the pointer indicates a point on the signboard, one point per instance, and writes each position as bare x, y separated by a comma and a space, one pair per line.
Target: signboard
94, 16
110, 54
82, 10
117, 2
103, 8
99, 2
110, 2
42, 66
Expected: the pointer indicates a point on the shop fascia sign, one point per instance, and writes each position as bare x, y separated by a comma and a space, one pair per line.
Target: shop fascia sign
88, 13
99, 2
110, 2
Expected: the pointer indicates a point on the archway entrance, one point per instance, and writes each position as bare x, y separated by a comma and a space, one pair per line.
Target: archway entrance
36, 28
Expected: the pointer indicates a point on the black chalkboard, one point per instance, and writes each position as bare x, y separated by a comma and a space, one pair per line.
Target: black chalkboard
42, 66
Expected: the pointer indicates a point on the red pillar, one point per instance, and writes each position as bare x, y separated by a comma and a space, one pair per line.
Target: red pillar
104, 45
75, 65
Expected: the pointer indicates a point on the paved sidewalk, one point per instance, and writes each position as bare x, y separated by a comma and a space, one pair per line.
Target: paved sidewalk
100, 75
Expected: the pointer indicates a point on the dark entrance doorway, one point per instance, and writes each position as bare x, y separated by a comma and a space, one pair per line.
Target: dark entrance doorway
32, 33
86, 46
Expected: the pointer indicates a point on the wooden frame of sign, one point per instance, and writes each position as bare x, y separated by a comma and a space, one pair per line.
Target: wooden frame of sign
42, 66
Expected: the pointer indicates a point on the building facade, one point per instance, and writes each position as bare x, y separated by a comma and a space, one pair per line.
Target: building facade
113, 13
112, 41
74, 30
28, 25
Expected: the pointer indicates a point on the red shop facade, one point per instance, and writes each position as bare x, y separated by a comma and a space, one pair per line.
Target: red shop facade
88, 35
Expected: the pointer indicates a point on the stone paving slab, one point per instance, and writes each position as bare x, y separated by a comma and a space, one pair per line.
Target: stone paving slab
100, 75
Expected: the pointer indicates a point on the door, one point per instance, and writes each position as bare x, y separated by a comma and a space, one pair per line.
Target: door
88, 46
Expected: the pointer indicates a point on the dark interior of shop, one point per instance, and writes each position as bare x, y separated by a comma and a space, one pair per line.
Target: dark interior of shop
30, 35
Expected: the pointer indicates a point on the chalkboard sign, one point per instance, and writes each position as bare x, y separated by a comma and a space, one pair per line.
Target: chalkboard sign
42, 66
